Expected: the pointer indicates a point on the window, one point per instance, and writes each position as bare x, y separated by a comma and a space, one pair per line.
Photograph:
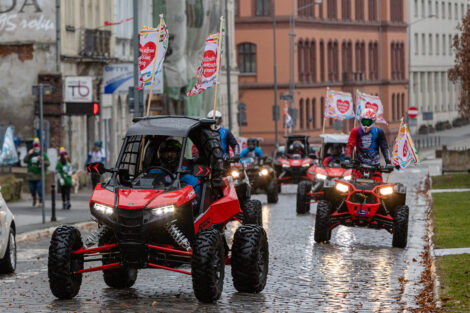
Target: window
313, 61
438, 48
397, 108
444, 44
373, 10
360, 10
456, 11
346, 9
373, 61
262, 7
429, 7
322, 61
416, 44
332, 9
347, 60
301, 113
443, 10
423, 13
396, 10
247, 58
237, 7
393, 107
423, 44
449, 11
402, 61
430, 44
307, 61
462, 11
314, 113
320, 10
322, 111
450, 44
415, 8
307, 113
301, 60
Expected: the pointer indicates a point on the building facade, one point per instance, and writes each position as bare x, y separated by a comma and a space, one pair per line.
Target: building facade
432, 29
341, 44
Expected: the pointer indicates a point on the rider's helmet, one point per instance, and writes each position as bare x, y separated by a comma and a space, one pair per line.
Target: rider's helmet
336, 149
367, 120
169, 152
251, 143
297, 148
218, 117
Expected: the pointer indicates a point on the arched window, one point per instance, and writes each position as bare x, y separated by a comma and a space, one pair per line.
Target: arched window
307, 113
346, 9
313, 61
359, 10
262, 7
336, 61
301, 60
393, 107
322, 111
330, 61
301, 114
307, 61
402, 104
322, 61
397, 107
372, 10
314, 113
402, 60
247, 58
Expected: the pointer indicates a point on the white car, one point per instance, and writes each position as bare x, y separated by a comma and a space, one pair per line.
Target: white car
7, 239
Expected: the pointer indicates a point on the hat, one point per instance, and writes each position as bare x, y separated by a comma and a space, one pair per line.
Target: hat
98, 144
36, 142
62, 151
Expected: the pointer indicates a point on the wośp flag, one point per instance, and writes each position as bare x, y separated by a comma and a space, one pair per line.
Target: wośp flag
365, 101
404, 151
207, 71
339, 105
148, 44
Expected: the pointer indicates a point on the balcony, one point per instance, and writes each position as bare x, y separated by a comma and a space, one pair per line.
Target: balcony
95, 43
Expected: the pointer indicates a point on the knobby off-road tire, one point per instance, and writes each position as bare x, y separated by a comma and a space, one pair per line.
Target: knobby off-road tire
400, 227
208, 265
252, 212
61, 264
322, 222
8, 263
250, 258
272, 192
303, 201
118, 278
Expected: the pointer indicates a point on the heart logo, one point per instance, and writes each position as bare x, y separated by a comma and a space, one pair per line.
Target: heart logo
343, 106
209, 63
373, 106
148, 53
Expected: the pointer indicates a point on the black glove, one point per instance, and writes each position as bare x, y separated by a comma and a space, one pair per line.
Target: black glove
389, 166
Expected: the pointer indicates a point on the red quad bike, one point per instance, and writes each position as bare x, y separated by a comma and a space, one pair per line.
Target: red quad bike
364, 202
149, 218
291, 166
311, 190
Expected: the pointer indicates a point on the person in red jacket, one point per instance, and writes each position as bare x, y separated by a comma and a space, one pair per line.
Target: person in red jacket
368, 139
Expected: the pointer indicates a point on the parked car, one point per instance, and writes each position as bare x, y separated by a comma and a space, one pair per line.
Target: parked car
7, 239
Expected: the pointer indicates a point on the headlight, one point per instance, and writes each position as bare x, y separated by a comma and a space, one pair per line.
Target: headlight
347, 177
235, 174
285, 165
320, 176
342, 187
103, 209
163, 210
264, 172
385, 191
306, 165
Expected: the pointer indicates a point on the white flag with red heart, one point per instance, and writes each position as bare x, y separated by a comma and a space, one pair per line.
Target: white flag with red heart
366, 101
404, 151
339, 105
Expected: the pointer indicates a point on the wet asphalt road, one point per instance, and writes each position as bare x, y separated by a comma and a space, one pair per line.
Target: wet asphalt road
357, 272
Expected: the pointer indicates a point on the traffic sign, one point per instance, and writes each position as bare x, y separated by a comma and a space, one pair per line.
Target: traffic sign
412, 112
287, 97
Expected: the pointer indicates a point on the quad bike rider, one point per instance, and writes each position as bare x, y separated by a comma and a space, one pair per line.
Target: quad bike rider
227, 139
293, 160
328, 168
259, 170
365, 201
162, 210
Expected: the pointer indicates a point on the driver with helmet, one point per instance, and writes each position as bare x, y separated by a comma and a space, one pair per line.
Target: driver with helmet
297, 148
368, 139
226, 137
252, 150
335, 154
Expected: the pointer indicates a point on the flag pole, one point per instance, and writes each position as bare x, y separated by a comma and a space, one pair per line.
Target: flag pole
217, 66
154, 63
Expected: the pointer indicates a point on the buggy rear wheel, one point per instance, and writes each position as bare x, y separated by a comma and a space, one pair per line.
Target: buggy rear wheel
8, 263
62, 264
252, 212
117, 278
322, 222
303, 200
208, 265
400, 227
272, 192
250, 258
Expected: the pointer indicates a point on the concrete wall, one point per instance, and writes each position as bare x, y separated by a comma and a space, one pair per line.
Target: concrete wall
455, 160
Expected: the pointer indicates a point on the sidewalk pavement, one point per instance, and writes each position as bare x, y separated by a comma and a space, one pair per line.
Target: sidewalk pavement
29, 218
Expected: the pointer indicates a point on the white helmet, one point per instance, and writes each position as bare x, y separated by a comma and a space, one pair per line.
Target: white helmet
211, 114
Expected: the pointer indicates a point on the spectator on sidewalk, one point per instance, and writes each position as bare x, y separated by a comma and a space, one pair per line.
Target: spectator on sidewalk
96, 155
64, 177
34, 159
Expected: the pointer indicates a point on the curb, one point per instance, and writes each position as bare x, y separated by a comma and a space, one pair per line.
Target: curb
47, 232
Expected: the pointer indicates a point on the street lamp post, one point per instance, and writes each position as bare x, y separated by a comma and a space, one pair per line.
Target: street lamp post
292, 48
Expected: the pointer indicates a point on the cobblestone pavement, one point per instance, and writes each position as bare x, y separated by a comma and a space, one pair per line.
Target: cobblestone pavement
357, 272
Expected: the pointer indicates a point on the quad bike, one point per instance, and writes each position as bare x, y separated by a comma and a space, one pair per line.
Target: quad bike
311, 190
364, 201
155, 220
262, 177
291, 166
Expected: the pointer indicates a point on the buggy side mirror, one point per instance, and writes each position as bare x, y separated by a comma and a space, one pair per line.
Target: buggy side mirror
201, 171
124, 178
96, 168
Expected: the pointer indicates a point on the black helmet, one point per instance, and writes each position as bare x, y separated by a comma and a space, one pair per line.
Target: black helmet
253, 142
168, 153
297, 147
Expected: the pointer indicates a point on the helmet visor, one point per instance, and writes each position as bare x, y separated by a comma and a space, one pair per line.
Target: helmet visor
367, 122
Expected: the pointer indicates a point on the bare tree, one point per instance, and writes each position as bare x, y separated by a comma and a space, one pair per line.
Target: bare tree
461, 71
